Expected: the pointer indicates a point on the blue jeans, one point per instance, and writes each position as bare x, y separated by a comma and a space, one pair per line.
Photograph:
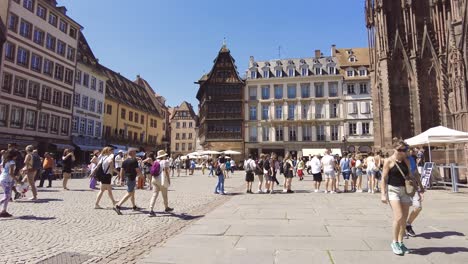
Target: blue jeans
220, 186
211, 172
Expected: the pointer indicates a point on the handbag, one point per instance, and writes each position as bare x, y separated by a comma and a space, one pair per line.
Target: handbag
92, 183
409, 183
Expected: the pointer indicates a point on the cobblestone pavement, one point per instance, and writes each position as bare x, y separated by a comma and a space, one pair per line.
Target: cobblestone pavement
64, 227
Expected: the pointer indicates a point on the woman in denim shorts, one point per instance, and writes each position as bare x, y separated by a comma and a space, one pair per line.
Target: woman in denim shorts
394, 192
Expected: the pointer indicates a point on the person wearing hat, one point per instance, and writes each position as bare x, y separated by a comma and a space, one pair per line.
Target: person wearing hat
118, 160
161, 182
130, 170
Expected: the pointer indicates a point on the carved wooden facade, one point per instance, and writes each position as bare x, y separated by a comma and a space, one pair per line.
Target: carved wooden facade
220, 105
418, 63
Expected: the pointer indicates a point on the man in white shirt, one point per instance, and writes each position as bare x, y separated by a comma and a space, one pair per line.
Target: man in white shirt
249, 166
328, 165
316, 168
161, 182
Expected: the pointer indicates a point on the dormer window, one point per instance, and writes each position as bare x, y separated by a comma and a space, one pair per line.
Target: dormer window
350, 73
253, 75
350, 52
352, 59
266, 74
363, 72
318, 71
331, 70
279, 73
305, 71
291, 72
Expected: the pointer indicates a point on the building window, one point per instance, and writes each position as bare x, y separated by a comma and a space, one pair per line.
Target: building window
183, 146
189, 146
352, 59
57, 98
63, 26
29, 4
41, 12
266, 92
136, 117
319, 111
23, 57
130, 116
305, 90
278, 112
190, 124
7, 82
53, 19
365, 108
142, 120
291, 91
265, 134
20, 87
253, 75
90, 131
334, 110
75, 122
362, 72
85, 79
77, 101
252, 113
69, 76
363, 88
92, 104
13, 23
98, 129
123, 113
70, 53
99, 107
266, 74
278, 92
93, 83
33, 90
351, 89
253, 93
190, 136
279, 73
83, 126
350, 73
305, 71
318, 71
292, 73
61, 48
292, 133
48, 67
353, 129
36, 63
10, 51
46, 94
320, 133
101, 87
334, 132
279, 133
73, 32
43, 122
109, 109
305, 111
59, 69
16, 117
333, 89
65, 126
291, 111
253, 134
365, 128
3, 115
54, 124
177, 146
84, 102
306, 133
39, 37
352, 108
50, 42
31, 118
319, 90
331, 70
78, 76
265, 112
178, 125
177, 136
26, 29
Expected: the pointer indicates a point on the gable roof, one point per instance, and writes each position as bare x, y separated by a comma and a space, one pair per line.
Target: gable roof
157, 99
361, 55
129, 93
184, 106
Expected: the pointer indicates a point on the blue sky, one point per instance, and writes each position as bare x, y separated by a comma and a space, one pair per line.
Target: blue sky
171, 43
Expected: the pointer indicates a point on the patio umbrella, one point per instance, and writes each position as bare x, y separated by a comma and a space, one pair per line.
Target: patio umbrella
210, 152
231, 152
193, 154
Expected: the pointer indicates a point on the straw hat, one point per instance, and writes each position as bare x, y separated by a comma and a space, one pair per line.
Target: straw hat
161, 154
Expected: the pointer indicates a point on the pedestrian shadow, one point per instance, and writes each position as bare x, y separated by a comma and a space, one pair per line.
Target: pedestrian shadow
34, 218
47, 190
182, 216
302, 191
233, 194
440, 235
84, 190
446, 250
39, 200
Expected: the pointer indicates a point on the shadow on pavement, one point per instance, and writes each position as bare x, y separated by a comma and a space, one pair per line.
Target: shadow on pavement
183, 216
32, 217
46, 190
39, 200
440, 235
447, 250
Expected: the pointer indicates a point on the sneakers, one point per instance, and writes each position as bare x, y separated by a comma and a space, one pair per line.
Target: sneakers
326, 191
333, 192
409, 231
285, 191
259, 191
136, 208
152, 213
397, 249
359, 191
404, 249
290, 191
117, 210
316, 191
168, 210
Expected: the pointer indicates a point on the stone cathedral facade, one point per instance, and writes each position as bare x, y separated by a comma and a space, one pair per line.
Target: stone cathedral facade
418, 57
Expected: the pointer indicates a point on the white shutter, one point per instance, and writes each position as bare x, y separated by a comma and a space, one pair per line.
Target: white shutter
368, 107
350, 108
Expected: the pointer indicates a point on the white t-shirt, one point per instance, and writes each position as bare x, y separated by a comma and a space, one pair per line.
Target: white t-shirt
358, 163
5, 175
328, 162
106, 161
162, 165
315, 165
118, 161
249, 165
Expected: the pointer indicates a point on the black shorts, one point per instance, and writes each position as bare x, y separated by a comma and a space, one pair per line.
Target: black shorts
317, 177
249, 177
289, 175
269, 177
106, 179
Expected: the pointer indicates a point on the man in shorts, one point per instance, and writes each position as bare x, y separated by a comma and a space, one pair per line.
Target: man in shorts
130, 170
328, 165
316, 169
250, 167
418, 196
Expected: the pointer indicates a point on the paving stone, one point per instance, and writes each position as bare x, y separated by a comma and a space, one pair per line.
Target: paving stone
301, 256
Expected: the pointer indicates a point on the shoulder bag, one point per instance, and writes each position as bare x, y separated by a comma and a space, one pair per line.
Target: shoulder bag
409, 183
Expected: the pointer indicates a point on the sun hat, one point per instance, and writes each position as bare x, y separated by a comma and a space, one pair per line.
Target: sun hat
161, 153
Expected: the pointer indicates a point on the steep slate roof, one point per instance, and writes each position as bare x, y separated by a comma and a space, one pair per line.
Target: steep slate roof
157, 99
361, 54
85, 55
185, 105
296, 63
129, 93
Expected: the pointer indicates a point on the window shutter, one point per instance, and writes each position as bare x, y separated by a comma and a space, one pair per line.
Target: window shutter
350, 108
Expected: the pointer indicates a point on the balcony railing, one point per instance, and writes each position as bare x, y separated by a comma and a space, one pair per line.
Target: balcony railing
319, 116
253, 139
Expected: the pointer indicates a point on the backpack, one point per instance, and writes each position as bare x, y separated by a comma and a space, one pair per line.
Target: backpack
286, 167
37, 163
345, 165
155, 169
99, 172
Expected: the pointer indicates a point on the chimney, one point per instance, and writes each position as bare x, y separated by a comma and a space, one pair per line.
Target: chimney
333, 50
318, 54
251, 61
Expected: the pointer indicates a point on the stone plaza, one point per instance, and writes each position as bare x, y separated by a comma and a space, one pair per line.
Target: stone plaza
304, 227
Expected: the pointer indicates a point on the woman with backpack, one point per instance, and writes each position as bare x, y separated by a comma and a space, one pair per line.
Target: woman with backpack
106, 160
218, 168
30, 171
288, 168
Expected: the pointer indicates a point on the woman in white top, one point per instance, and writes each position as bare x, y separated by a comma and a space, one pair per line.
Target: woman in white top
371, 171
6, 180
107, 160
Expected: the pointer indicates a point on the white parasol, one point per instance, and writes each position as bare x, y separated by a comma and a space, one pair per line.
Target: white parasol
231, 152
